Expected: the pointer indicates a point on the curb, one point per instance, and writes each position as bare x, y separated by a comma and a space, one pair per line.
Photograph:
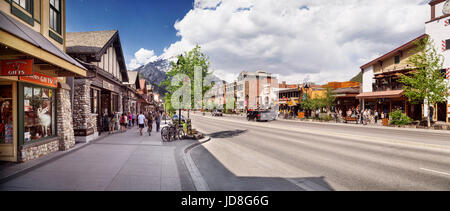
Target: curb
46, 160
197, 178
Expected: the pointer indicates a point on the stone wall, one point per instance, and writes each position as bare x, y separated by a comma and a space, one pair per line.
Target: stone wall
34, 151
82, 104
64, 118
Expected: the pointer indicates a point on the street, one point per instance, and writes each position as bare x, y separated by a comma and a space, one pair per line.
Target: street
286, 155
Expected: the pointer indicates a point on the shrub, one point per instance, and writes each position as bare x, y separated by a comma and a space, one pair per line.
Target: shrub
399, 118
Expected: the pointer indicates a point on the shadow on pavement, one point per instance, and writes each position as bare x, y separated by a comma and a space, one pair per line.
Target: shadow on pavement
227, 134
219, 178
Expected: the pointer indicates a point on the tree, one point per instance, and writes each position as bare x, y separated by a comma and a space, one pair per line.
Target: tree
329, 100
427, 83
186, 65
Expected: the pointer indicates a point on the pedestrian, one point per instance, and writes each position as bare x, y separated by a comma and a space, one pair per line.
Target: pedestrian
141, 122
158, 121
130, 119
150, 123
134, 119
112, 123
123, 123
376, 117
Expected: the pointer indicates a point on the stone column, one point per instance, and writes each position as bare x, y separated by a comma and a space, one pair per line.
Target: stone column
64, 118
83, 120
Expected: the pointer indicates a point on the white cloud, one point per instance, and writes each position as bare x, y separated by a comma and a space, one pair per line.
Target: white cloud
142, 57
320, 39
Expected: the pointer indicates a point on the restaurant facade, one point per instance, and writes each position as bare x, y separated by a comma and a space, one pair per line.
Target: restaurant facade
100, 93
382, 90
35, 106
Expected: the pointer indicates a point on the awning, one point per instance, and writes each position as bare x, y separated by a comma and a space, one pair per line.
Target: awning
20, 37
377, 95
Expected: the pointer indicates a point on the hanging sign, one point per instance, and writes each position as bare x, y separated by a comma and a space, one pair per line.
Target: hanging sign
16, 67
41, 79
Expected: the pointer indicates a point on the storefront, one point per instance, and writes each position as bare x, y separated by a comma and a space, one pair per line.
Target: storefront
35, 107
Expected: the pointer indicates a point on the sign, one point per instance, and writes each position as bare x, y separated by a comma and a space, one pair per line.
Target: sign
41, 79
16, 67
108, 86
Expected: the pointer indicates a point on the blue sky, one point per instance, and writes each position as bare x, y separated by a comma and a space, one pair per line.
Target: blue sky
141, 23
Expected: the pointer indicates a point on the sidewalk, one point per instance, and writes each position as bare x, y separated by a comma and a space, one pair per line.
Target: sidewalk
119, 162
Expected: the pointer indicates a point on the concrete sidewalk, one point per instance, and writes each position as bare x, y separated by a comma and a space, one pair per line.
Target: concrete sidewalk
120, 162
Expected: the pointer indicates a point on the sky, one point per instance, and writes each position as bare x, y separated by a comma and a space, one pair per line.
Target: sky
300, 40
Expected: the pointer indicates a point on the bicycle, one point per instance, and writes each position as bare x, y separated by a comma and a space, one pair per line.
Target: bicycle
172, 132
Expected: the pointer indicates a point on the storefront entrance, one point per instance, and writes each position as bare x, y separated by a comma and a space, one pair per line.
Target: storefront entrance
8, 120
442, 112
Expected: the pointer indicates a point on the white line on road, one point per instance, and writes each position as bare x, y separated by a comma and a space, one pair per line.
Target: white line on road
438, 172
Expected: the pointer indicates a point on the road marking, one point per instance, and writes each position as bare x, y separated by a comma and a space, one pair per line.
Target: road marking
437, 172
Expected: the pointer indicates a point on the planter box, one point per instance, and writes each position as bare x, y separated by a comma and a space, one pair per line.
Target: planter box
385, 122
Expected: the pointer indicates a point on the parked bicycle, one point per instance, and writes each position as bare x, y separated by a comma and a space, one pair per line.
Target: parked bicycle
172, 132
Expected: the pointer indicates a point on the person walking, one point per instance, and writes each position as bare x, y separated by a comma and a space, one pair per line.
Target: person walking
150, 123
158, 121
112, 123
130, 119
141, 122
376, 117
123, 123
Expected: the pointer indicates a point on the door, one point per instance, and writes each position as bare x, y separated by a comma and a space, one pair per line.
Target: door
442, 112
8, 122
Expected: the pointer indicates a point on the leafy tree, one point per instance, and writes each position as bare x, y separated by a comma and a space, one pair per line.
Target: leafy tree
187, 64
329, 100
427, 83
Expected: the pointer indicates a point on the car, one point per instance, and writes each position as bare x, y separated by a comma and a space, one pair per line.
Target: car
217, 113
175, 118
260, 116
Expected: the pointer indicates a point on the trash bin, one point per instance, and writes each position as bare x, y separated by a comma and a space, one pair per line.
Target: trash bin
385, 122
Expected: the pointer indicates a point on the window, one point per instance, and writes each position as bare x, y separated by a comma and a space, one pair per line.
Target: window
6, 114
55, 15
447, 44
94, 101
26, 4
397, 59
115, 103
39, 113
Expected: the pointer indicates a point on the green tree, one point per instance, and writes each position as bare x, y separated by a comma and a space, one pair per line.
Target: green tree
427, 83
187, 64
329, 100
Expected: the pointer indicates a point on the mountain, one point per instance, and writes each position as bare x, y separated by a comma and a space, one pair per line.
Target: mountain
156, 72
357, 78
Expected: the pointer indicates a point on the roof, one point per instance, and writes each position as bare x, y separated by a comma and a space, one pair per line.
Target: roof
27, 34
346, 90
384, 94
132, 77
395, 51
88, 42
433, 2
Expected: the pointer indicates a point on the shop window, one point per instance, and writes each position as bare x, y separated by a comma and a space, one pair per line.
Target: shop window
39, 113
55, 15
6, 114
447, 44
25, 4
115, 103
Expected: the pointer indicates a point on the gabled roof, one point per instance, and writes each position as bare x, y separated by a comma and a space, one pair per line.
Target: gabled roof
88, 42
394, 52
95, 44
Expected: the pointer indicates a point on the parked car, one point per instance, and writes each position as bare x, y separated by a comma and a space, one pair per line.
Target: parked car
261, 116
217, 113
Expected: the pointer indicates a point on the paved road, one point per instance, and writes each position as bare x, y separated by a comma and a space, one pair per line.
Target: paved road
285, 155
120, 162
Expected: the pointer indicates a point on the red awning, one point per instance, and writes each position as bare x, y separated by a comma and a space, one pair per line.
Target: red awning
385, 94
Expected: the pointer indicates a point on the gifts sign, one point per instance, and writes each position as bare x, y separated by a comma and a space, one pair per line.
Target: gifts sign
16, 67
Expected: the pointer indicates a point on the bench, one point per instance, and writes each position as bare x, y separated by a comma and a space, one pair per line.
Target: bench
351, 119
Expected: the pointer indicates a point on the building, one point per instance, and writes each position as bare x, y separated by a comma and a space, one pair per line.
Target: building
132, 86
381, 90
289, 98
35, 106
345, 93
256, 90
438, 28
99, 94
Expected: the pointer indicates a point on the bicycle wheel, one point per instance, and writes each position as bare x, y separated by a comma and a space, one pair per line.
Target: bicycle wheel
165, 134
